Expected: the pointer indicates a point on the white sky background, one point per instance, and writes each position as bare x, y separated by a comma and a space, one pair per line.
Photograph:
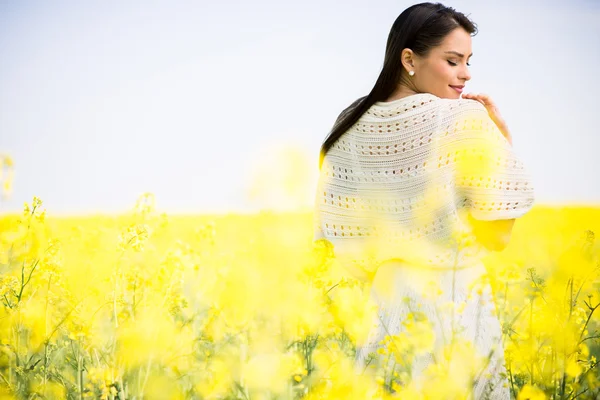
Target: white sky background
102, 101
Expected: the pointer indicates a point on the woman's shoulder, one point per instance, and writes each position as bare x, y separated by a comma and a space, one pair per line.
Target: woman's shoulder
459, 107
469, 119
449, 108
348, 109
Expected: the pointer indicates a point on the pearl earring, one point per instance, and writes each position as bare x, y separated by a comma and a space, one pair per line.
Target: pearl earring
411, 73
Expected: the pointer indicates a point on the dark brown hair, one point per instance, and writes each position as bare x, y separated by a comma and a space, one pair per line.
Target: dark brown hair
420, 28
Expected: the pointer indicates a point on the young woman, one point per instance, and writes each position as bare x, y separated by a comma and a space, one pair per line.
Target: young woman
416, 186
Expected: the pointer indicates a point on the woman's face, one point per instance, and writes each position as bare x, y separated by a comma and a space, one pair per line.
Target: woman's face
445, 66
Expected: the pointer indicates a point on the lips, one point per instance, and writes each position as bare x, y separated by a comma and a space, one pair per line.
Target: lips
458, 88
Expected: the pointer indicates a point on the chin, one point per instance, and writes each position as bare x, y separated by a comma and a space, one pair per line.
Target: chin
448, 94
453, 96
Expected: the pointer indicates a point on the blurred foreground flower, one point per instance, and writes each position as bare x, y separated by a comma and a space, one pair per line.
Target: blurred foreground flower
6, 175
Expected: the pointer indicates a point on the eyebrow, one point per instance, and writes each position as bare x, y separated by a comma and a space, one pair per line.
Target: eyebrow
458, 54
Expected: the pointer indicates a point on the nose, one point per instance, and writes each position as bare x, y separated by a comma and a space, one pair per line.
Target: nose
466, 74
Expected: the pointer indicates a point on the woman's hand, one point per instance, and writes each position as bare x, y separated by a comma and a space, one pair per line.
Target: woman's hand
492, 111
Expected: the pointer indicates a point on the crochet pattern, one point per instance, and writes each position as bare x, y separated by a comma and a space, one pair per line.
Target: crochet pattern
400, 182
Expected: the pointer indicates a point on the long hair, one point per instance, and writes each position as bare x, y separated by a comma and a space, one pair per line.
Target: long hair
420, 28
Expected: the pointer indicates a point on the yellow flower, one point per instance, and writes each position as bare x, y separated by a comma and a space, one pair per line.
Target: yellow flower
270, 371
355, 311
529, 392
8, 161
7, 187
573, 368
37, 202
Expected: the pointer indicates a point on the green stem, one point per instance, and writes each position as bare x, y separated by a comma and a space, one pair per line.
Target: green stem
531, 337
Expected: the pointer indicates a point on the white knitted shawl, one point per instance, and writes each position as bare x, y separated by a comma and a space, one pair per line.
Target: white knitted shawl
402, 180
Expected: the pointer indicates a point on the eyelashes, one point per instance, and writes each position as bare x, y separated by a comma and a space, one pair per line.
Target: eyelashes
454, 64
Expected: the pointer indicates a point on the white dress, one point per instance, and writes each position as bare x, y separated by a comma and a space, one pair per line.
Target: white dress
402, 183
475, 321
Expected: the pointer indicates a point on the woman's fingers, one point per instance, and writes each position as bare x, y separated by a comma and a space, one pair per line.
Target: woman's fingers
481, 97
486, 99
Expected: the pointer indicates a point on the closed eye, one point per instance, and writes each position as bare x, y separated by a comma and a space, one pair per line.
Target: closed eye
454, 64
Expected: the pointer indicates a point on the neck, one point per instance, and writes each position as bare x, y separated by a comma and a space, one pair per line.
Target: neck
400, 92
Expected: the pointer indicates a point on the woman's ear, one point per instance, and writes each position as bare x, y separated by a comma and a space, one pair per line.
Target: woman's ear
407, 59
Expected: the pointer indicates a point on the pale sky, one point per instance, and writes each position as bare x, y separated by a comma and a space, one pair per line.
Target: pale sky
101, 101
